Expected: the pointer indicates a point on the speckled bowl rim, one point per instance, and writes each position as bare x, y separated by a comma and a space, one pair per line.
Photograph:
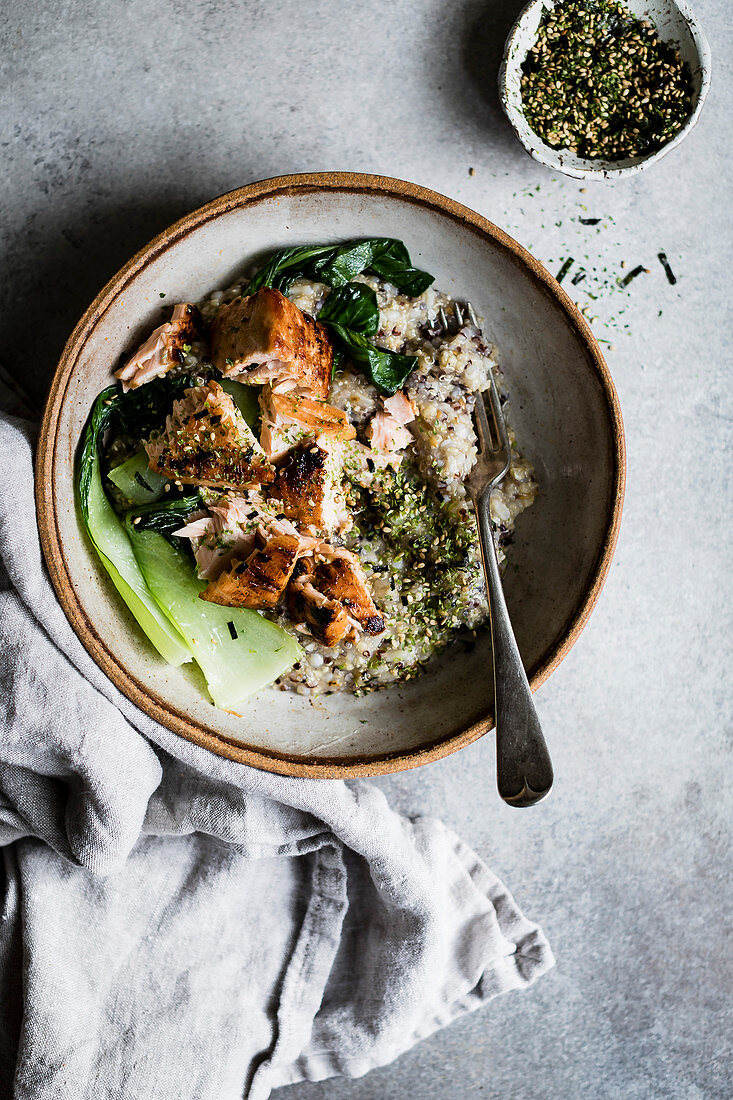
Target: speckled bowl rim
145, 698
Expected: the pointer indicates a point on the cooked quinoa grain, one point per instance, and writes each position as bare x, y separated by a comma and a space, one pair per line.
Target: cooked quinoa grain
414, 527
316, 463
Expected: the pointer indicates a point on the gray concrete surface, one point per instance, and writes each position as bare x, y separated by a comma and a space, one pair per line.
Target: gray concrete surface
119, 116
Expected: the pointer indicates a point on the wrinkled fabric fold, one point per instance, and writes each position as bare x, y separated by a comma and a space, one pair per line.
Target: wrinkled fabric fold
178, 925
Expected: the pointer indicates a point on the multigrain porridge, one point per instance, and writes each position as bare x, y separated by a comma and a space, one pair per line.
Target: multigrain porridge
314, 474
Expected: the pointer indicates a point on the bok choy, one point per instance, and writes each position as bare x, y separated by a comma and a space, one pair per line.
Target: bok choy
136, 481
111, 542
238, 650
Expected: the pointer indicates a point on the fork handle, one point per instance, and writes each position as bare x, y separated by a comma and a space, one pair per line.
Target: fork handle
523, 766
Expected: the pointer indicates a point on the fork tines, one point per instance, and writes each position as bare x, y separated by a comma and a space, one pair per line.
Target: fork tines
462, 312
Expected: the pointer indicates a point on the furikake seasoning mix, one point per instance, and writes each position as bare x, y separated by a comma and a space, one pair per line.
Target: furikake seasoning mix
600, 82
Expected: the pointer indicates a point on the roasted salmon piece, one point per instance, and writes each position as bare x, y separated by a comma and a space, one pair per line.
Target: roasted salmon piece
386, 430
308, 486
328, 620
289, 418
264, 338
226, 530
259, 581
342, 579
163, 349
332, 597
231, 527
208, 442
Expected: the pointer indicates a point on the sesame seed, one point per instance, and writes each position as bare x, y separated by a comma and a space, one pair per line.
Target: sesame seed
627, 99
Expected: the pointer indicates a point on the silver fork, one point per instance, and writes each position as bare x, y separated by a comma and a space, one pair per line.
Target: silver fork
523, 766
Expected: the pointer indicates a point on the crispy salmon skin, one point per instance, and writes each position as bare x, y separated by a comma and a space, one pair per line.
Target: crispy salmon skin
327, 619
342, 579
308, 486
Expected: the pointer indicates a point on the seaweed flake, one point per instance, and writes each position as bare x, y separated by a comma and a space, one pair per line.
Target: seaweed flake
671, 277
638, 270
564, 269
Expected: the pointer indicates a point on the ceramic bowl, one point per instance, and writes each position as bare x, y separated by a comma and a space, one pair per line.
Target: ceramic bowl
566, 416
675, 23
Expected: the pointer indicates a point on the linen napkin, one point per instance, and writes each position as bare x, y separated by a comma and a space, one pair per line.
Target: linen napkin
175, 925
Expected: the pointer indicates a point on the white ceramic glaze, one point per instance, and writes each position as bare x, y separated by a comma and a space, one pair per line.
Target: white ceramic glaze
675, 23
563, 408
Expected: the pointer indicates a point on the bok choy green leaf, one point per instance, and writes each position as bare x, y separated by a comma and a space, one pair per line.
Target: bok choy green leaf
111, 543
238, 650
164, 517
139, 411
247, 400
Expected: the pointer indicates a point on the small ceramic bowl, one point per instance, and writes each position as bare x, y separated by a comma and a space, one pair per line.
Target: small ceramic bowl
564, 410
675, 23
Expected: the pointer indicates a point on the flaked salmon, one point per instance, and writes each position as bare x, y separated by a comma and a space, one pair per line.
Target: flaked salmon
330, 594
308, 486
290, 418
163, 349
233, 526
386, 430
259, 581
264, 338
226, 530
208, 442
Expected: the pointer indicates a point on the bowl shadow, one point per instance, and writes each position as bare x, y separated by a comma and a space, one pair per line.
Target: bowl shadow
78, 252
479, 31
